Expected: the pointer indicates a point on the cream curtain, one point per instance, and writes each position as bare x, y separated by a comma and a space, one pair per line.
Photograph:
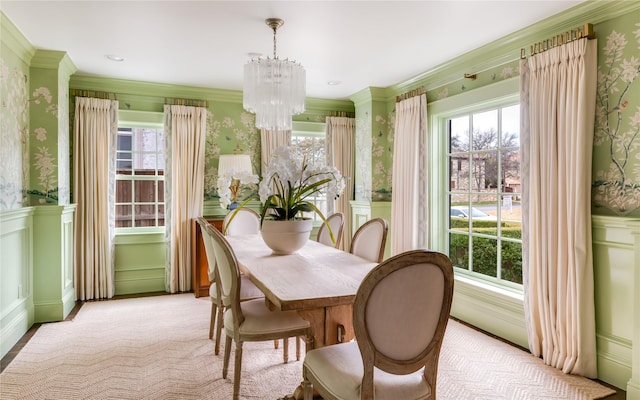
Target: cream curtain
269, 141
558, 89
95, 135
185, 130
340, 151
408, 197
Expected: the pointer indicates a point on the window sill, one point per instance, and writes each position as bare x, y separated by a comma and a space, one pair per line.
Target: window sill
139, 231
503, 291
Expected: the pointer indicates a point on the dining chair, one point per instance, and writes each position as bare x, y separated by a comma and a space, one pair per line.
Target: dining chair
244, 222
248, 289
249, 321
369, 240
336, 222
400, 314
247, 222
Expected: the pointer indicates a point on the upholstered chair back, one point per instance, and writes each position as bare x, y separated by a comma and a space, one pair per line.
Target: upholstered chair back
245, 222
336, 222
369, 240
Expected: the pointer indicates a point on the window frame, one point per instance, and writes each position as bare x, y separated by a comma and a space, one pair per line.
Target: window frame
471, 191
313, 129
499, 94
141, 119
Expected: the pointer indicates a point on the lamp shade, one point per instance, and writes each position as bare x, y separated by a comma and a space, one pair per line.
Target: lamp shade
237, 162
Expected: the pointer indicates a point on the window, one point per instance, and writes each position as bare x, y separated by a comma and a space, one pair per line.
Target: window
485, 223
139, 176
309, 139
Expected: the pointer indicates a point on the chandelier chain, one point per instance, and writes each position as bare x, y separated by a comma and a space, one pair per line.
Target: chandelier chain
274, 43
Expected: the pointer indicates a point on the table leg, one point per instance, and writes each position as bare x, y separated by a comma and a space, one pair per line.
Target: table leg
338, 316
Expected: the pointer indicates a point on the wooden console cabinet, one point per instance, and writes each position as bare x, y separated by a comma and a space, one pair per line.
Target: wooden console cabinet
199, 265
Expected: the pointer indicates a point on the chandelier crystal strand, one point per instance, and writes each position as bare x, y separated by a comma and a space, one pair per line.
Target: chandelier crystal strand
274, 89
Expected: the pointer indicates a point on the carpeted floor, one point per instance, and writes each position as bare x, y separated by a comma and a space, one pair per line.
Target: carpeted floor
158, 348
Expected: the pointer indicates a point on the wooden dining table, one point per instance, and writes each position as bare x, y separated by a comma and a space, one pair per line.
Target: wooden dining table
318, 281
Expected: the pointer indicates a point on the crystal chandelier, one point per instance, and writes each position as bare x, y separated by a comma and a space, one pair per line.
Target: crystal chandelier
274, 89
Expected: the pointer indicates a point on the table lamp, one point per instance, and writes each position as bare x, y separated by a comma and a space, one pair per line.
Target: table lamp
234, 164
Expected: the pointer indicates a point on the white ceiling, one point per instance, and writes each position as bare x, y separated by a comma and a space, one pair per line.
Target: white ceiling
206, 43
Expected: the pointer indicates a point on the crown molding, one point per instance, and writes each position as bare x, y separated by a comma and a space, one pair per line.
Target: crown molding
57, 60
15, 40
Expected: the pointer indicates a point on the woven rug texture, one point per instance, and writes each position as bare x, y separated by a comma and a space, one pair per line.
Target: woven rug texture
158, 348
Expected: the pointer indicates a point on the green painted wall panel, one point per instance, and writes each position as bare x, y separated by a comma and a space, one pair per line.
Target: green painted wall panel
16, 276
139, 263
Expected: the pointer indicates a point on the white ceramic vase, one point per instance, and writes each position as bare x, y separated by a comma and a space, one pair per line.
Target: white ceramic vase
286, 237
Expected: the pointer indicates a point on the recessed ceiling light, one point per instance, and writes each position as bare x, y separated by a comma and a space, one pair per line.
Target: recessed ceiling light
333, 83
114, 58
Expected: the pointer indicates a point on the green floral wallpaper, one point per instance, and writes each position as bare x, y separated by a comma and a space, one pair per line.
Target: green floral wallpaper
363, 155
383, 129
616, 161
492, 75
43, 139
231, 130
14, 130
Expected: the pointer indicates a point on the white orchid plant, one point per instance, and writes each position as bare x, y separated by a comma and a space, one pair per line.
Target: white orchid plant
287, 183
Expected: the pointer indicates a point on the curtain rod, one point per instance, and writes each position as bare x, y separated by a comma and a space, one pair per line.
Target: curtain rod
569, 36
415, 92
347, 114
93, 93
186, 102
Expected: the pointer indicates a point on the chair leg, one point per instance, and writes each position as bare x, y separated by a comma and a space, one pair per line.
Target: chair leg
237, 371
297, 348
308, 389
285, 350
214, 308
227, 355
275, 344
219, 328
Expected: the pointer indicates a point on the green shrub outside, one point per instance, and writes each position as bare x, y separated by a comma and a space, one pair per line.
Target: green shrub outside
485, 251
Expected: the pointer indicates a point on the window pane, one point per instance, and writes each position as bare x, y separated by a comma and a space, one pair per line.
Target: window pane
145, 191
512, 262
123, 216
511, 125
124, 140
459, 134
459, 250
485, 131
485, 256
161, 192
145, 215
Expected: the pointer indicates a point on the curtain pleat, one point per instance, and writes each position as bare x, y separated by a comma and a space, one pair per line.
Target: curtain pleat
340, 151
558, 92
185, 132
409, 197
95, 130
269, 141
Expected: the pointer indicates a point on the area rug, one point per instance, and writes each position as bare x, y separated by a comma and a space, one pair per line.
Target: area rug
158, 348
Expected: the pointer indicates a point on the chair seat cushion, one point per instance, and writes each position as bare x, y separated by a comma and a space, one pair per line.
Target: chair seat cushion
338, 370
260, 322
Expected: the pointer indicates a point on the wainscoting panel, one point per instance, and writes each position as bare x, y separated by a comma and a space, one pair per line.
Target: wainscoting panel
139, 263
16, 276
53, 262
616, 242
